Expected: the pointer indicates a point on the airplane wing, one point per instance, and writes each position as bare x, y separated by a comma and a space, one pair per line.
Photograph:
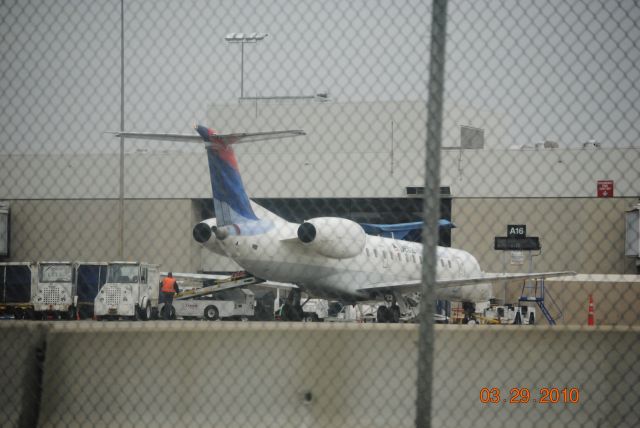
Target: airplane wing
244, 137
415, 285
280, 285
497, 277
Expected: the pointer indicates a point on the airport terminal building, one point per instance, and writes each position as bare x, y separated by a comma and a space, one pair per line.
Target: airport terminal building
364, 161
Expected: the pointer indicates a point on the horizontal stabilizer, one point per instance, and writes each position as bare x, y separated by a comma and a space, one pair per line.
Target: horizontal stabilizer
257, 136
221, 138
158, 137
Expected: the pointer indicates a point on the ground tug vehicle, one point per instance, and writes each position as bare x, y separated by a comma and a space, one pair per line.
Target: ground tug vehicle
130, 291
55, 290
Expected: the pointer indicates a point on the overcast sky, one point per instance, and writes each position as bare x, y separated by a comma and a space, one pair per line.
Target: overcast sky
565, 71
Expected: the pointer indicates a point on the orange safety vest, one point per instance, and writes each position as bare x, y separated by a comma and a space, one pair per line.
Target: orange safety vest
168, 285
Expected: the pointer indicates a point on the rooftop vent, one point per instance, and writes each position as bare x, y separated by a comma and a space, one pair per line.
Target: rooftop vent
591, 144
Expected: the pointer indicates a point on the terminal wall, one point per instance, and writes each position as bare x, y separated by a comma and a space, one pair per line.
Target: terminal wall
157, 231
585, 235
280, 374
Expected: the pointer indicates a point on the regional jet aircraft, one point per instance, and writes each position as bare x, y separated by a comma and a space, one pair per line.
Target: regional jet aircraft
326, 257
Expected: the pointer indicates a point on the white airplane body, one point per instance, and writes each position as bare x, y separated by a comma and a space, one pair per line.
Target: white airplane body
279, 255
327, 257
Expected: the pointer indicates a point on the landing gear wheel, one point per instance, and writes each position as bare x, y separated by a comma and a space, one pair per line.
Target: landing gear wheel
518, 320
311, 317
532, 319
71, 313
146, 315
292, 313
211, 313
82, 313
394, 314
382, 315
172, 313
472, 321
469, 311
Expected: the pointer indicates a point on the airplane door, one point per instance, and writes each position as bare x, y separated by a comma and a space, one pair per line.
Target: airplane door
459, 266
386, 255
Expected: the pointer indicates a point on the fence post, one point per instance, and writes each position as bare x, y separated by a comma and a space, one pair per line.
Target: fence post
431, 212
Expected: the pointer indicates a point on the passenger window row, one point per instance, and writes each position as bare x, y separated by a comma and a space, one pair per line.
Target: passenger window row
408, 257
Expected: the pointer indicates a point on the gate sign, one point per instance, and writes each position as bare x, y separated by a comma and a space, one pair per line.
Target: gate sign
518, 231
605, 188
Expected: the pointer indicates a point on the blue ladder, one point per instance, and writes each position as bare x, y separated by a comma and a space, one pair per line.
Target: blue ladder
538, 296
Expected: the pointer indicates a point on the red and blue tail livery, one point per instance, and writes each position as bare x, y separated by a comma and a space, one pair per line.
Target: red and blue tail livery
230, 200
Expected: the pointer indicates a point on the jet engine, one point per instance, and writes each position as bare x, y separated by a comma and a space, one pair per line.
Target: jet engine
333, 237
203, 233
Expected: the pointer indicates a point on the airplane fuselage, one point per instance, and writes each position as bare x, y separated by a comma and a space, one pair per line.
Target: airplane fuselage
382, 260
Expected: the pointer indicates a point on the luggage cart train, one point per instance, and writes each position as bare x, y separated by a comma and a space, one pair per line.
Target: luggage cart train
116, 290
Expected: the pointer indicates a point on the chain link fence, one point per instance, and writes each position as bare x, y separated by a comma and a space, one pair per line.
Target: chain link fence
531, 174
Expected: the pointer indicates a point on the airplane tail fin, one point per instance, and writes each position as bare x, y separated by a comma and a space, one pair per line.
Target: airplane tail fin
231, 203
230, 200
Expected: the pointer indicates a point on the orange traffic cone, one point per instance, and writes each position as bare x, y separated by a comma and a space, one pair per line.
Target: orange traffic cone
591, 318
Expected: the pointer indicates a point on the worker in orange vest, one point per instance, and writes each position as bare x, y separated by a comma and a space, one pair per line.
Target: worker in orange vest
169, 289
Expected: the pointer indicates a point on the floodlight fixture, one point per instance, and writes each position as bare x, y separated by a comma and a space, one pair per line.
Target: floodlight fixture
243, 38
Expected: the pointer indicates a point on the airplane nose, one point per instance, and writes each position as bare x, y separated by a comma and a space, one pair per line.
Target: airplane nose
201, 232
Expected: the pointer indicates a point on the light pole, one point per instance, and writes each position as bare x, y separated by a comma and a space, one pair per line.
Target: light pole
243, 38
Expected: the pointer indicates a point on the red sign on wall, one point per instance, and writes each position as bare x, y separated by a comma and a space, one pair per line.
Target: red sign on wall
605, 188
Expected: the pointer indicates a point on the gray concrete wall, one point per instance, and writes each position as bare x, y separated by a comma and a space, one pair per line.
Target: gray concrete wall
253, 374
21, 363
